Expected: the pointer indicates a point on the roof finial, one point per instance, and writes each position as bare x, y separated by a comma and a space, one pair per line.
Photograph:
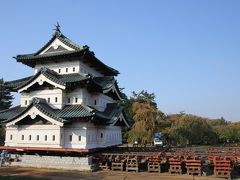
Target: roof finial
57, 29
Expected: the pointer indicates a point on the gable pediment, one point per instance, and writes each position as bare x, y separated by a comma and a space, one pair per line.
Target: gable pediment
36, 121
35, 115
53, 49
56, 46
41, 80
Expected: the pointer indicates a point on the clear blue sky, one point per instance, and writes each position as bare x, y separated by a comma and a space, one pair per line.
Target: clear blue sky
186, 52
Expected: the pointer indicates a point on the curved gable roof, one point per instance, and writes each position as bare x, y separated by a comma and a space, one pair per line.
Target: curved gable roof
61, 55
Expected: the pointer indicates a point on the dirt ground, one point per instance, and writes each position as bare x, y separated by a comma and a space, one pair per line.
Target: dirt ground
53, 174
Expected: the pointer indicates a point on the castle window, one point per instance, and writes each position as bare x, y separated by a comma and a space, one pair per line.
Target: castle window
79, 138
30, 137
70, 138
53, 138
101, 135
95, 102
45, 137
37, 137
66, 69
59, 70
48, 100
11, 137
26, 102
73, 69
56, 99
22, 137
69, 100
76, 100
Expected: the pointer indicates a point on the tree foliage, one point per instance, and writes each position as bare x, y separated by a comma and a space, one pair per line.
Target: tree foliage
5, 97
142, 109
190, 129
146, 122
142, 97
5, 103
178, 129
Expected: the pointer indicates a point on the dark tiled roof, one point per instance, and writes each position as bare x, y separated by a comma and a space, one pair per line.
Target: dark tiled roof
68, 113
16, 83
40, 104
64, 79
75, 111
32, 57
78, 51
105, 82
95, 84
6, 114
63, 39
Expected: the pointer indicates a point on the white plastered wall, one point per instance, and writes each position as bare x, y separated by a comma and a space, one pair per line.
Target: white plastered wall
76, 93
101, 100
66, 67
103, 136
91, 136
44, 94
69, 67
83, 135
14, 135
77, 131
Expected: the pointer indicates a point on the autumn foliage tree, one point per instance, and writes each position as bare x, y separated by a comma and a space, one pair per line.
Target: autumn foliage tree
146, 118
178, 129
146, 123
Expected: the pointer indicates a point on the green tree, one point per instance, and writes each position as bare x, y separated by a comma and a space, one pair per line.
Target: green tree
217, 122
228, 133
5, 103
5, 97
192, 130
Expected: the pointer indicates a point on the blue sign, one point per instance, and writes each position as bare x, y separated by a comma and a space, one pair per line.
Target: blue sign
158, 135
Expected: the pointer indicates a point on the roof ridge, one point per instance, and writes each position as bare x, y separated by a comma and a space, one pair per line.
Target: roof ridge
46, 45
69, 42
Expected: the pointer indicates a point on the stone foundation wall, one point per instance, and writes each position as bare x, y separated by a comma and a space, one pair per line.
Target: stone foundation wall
58, 162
